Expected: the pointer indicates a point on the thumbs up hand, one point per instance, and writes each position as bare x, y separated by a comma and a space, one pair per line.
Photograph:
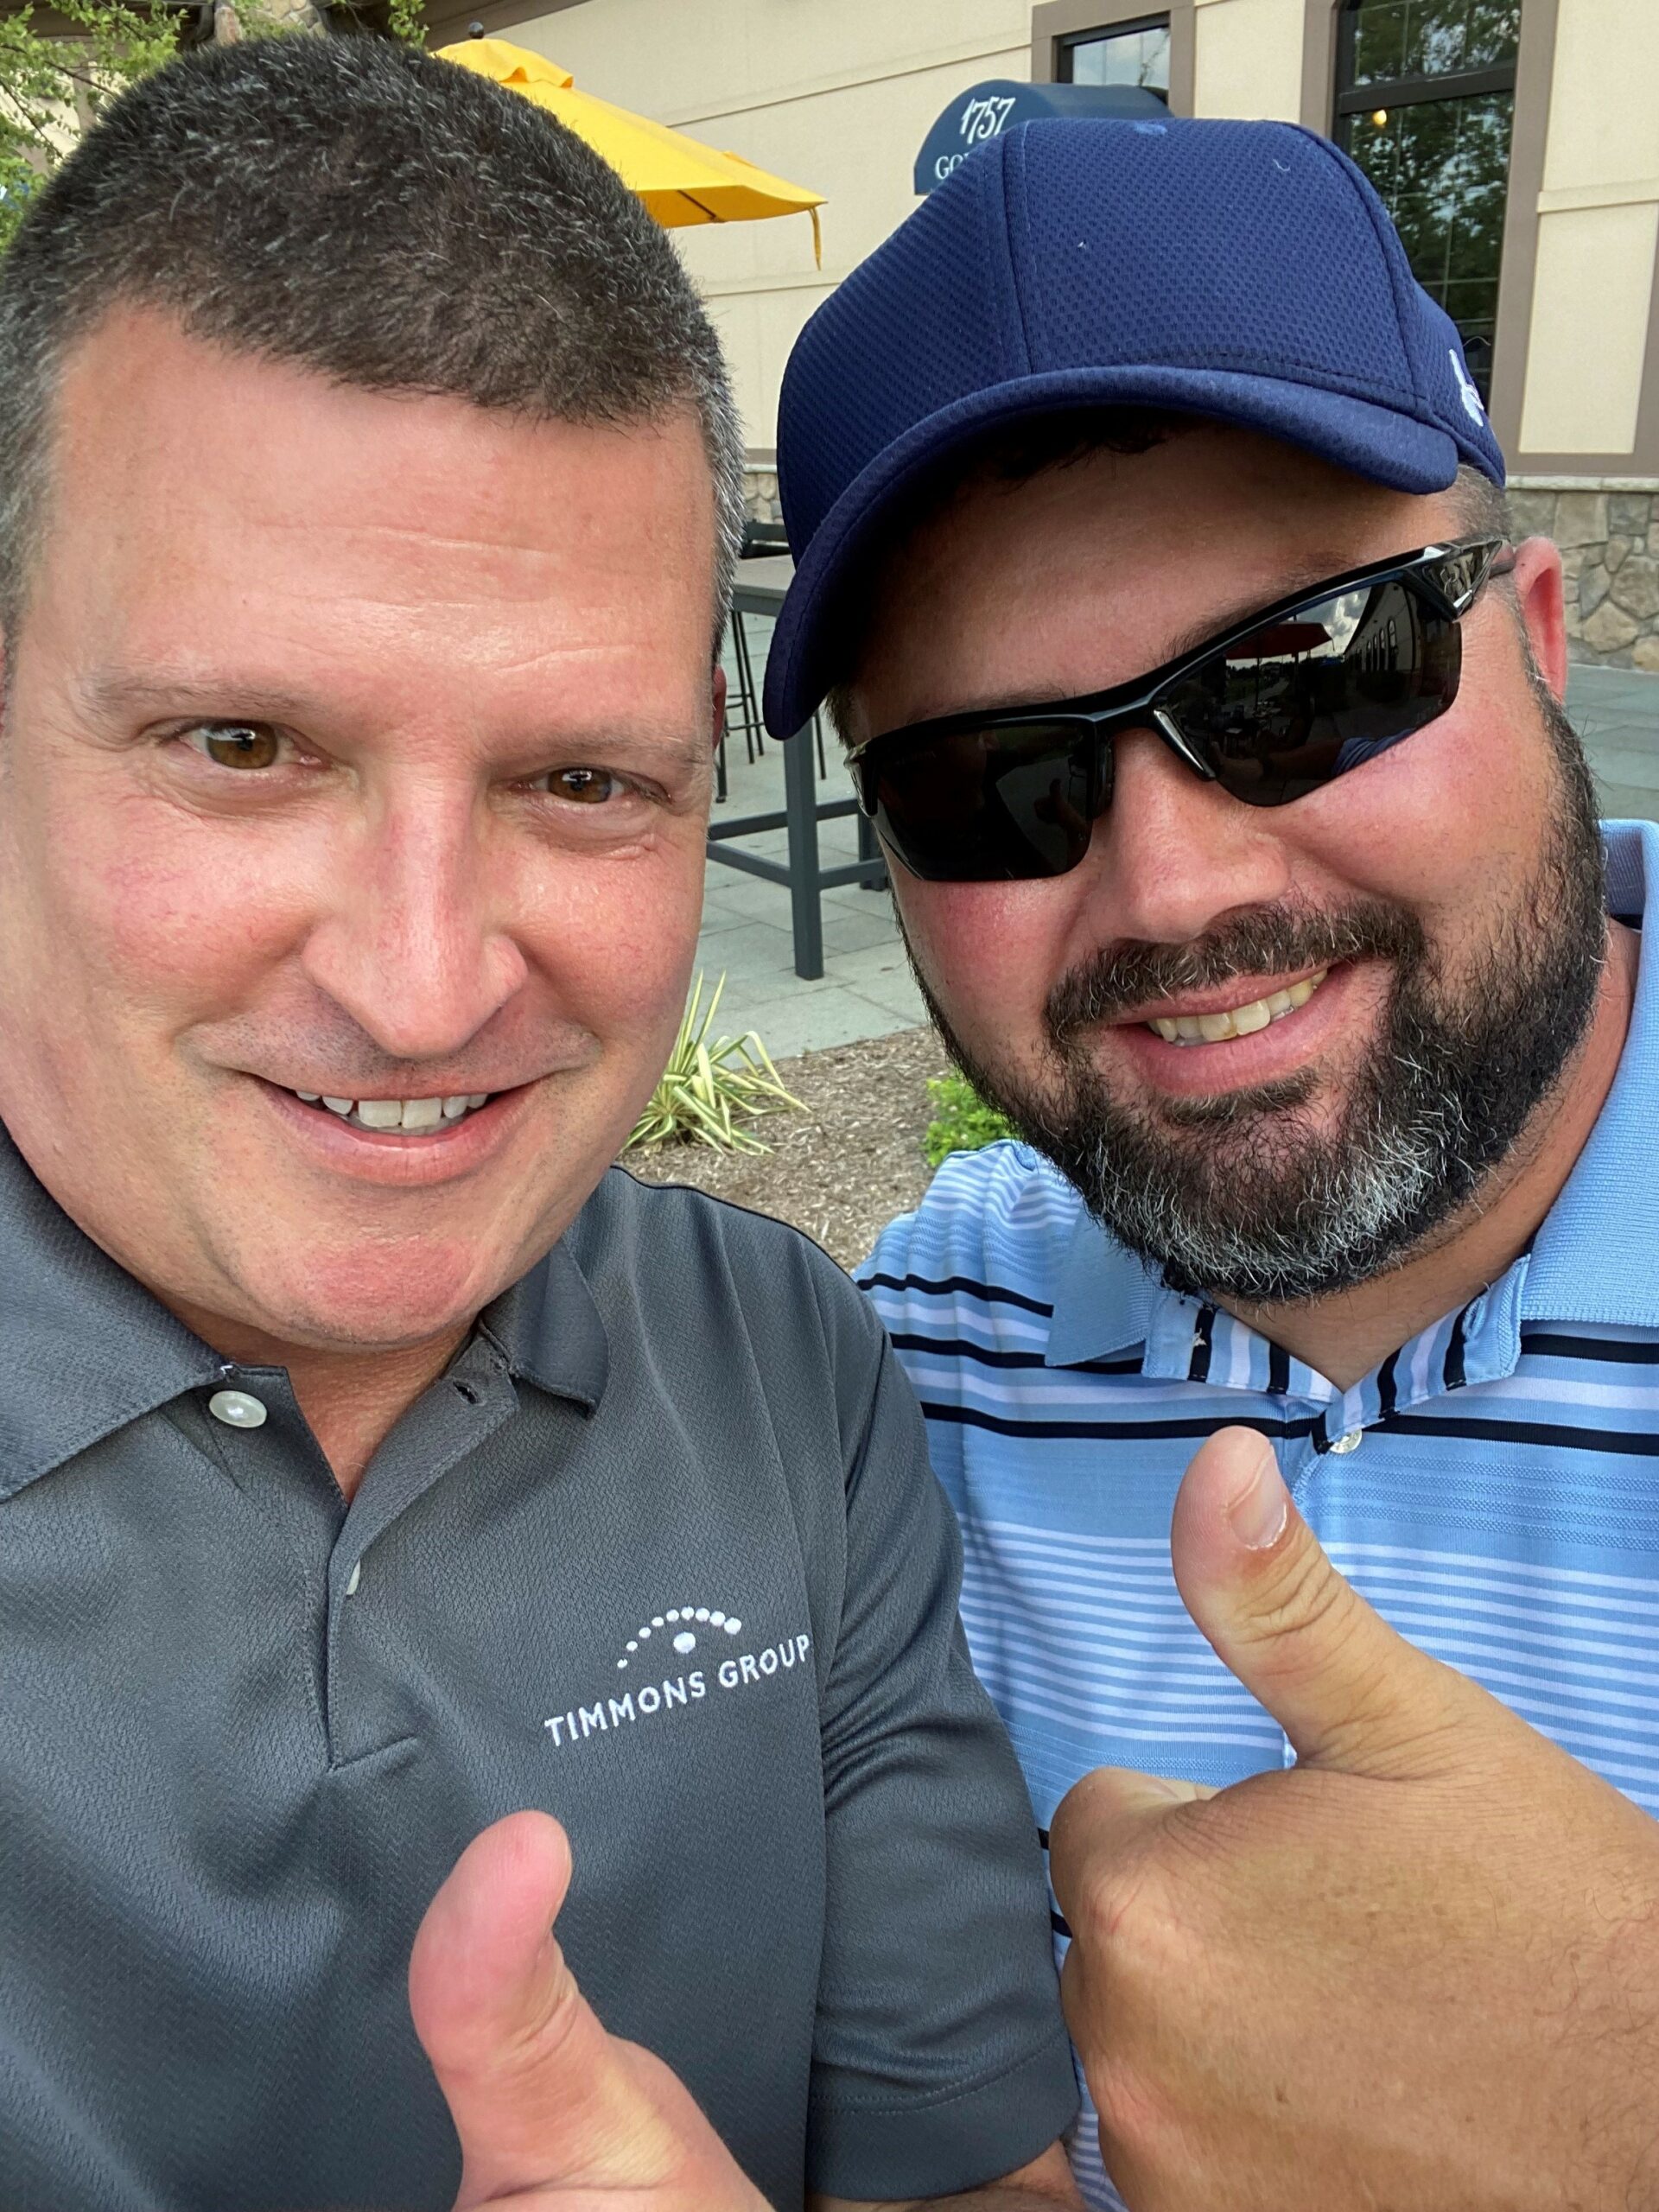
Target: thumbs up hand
1419, 1970
554, 2114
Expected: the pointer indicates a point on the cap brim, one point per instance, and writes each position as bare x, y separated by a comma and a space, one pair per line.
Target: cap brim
1371, 441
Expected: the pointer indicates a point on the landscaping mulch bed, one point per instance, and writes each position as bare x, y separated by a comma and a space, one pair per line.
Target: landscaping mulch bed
844, 1168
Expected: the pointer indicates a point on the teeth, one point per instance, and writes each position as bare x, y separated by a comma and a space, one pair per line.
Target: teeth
1237, 1021
415, 1115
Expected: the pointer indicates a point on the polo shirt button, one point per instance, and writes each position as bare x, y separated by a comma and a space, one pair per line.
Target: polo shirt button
237, 1409
1351, 1442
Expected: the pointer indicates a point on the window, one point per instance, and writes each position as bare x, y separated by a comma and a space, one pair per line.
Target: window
1129, 54
1425, 103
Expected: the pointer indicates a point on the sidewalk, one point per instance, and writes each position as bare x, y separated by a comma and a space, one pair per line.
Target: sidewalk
1616, 712
867, 990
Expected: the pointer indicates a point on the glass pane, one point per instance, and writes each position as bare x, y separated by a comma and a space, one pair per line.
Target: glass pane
1441, 169
1493, 33
1395, 39
1131, 57
1319, 692
1380, 41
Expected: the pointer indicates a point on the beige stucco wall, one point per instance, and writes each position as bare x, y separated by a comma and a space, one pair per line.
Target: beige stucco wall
1598, 221
838, 98
838, 94
1248, 59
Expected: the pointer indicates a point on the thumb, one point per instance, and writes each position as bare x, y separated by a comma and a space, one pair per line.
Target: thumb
541, 2096
1348, 1691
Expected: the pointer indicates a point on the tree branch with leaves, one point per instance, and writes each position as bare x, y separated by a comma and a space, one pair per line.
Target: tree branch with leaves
53, 84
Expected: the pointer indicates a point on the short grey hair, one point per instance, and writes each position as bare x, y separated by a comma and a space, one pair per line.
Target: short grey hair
374, 214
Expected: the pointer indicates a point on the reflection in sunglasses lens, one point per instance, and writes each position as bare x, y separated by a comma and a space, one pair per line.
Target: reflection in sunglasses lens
1320, 691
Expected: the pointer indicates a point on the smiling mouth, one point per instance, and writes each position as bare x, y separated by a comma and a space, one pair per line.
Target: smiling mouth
409, 1117
1236, 1021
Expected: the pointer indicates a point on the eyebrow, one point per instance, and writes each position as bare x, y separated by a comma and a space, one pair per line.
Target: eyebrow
1185, 640
1217, 625
111, 691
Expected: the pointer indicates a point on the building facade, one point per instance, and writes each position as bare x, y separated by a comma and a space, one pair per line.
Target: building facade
1515, 141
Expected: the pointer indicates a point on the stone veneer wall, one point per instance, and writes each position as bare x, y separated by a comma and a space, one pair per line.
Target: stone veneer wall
761, 494
1609, 548
1609, 538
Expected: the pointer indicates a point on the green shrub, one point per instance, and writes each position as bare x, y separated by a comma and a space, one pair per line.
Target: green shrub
964, 1123
705, 1087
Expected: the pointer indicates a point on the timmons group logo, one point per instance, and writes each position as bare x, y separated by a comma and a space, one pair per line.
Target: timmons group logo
655, 1687
684, 1638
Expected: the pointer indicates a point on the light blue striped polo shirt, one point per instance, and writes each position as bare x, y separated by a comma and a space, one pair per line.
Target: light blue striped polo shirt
1492, 1488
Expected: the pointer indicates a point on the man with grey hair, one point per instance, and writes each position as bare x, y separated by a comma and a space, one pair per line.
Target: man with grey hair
381, 1477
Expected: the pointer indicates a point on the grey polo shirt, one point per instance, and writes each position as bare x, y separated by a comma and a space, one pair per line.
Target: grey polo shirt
661, 1554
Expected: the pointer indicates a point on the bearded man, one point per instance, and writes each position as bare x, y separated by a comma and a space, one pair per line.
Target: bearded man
1161, 585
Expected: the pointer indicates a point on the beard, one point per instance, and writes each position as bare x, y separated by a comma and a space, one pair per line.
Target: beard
1245, 1195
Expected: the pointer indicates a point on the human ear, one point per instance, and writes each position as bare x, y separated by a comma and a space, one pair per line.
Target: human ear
1539, 590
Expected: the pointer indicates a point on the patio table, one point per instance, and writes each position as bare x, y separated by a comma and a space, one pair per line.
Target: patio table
760, 587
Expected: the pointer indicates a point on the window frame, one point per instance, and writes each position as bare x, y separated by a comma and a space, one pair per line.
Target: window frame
1053, 22
1406, 91
1350, 101
1155, 19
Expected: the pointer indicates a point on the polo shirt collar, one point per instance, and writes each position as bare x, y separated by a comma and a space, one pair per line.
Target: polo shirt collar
1593, 1258
547, 1329
1592, 1261
84, 1348
1104, 1298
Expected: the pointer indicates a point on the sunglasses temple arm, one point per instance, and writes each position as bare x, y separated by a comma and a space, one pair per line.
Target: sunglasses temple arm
1497, 560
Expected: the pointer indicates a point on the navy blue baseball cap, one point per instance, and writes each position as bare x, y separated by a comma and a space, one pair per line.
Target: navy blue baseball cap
1245, 271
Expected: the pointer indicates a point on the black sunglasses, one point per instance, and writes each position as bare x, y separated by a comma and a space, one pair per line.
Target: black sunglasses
1275, 707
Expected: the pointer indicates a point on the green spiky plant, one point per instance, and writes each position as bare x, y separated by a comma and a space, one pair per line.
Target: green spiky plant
709, 1088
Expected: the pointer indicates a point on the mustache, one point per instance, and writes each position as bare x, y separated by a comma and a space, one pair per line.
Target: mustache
1263, 941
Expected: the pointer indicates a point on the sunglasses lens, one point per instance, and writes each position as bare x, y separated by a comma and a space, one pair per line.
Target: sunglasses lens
1008, 802
1317, 692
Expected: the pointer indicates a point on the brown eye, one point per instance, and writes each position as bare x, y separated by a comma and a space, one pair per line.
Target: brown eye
587, 786
238, 745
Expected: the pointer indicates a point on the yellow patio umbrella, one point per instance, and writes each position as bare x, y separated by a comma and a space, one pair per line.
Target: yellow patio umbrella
680, 179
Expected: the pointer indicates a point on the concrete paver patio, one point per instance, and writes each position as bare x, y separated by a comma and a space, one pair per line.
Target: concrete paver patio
867, 988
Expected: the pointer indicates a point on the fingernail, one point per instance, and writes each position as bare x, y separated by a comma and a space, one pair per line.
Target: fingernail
1259, 1511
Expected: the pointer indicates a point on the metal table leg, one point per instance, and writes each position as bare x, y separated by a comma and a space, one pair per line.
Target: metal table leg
800, 806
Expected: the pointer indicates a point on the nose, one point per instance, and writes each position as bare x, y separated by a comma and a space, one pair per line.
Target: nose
1173, 854
413, 946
